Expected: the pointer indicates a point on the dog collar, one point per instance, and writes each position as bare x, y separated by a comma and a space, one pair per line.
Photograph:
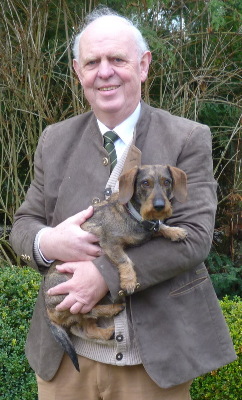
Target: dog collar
150, 225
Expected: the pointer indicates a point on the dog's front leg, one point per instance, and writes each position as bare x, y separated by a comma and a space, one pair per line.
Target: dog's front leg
118, 257
172, 232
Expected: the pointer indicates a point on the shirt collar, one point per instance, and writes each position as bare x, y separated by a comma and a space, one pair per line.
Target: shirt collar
124, 130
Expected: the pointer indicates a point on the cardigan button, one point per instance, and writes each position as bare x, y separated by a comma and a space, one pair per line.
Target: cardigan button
119, 338
105, 161
119, 356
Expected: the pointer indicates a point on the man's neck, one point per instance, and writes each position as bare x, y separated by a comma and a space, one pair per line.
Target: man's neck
112, 120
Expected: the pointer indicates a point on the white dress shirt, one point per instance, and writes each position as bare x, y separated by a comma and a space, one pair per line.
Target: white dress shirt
125, 131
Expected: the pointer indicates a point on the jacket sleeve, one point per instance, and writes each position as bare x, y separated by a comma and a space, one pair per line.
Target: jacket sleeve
30, 218
160, 259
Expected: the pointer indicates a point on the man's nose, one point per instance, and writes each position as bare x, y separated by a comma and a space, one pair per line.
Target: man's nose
105, 69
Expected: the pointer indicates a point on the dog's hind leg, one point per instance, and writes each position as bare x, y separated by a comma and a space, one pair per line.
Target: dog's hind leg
104, 310
92, 331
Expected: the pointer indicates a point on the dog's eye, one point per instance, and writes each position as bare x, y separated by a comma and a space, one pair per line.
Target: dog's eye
167, 183
145, 183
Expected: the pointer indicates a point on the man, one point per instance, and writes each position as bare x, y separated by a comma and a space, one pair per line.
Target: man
172, 328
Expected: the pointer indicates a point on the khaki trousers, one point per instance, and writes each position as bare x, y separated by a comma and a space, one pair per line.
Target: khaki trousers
98, 381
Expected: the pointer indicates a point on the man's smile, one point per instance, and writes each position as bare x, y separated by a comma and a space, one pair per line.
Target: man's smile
106, 89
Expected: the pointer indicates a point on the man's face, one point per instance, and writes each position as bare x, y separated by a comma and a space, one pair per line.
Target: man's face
110, 70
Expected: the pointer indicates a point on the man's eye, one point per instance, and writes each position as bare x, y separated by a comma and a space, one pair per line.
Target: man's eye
118, 60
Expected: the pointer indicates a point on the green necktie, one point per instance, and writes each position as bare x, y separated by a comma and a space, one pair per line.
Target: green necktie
109, 139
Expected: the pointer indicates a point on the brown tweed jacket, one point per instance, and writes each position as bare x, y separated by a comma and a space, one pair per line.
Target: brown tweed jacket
179, 327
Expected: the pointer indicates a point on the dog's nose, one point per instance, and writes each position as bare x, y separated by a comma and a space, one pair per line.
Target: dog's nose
159, 205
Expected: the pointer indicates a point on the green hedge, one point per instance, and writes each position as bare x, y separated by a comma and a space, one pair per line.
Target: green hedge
225, 383
18, 291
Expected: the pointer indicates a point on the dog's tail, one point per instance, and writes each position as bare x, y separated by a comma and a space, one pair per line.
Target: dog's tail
62, 337
59, 333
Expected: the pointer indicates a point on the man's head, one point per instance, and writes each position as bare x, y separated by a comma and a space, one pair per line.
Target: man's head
111, 61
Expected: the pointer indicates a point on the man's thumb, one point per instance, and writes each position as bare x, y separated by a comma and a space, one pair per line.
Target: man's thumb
83, 215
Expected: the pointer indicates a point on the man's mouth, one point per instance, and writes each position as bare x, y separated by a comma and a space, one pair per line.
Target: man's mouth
106, 89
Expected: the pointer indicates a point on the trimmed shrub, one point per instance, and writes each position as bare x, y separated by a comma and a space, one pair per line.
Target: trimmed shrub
18, 292
224, 383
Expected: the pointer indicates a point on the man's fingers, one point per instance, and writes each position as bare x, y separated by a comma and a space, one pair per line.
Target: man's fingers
62, 288
70, 303
82, 216
67, 303
76, 308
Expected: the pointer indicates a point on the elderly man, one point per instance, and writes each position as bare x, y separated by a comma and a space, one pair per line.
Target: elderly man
172, 329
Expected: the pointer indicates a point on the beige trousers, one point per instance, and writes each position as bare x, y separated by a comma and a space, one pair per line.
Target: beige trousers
98, 381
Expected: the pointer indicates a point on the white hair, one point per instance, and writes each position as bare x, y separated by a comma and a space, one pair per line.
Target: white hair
101, 12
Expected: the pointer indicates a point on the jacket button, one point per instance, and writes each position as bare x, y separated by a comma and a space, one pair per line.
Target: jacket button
96, 200
105, 161
119, 338
121, 293
119, 356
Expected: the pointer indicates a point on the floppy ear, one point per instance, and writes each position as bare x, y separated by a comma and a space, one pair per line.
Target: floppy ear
126, 185
179, 183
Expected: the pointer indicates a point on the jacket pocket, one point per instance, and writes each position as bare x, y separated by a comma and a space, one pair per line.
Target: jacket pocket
189, 281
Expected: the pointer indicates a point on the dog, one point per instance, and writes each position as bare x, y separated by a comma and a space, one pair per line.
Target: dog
129, 217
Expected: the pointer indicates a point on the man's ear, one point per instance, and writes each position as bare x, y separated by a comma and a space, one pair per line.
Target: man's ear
77, 70
179, 183
126, 185
144, 65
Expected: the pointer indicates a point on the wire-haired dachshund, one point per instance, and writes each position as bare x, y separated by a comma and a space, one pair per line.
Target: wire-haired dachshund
128, 218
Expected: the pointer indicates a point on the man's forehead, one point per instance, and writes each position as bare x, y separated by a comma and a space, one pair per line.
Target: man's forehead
106, 42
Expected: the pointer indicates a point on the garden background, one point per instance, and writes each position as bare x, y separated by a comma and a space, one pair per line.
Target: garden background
196, 73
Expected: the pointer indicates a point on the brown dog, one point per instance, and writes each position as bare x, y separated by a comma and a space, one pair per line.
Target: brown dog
130, 217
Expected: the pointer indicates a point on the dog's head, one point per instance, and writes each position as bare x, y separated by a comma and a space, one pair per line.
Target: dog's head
151, 187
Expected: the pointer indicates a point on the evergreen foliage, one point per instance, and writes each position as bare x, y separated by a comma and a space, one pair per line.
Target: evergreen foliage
18, 292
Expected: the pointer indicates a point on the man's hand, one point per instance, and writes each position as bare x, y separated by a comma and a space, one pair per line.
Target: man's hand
83, 290
68, 242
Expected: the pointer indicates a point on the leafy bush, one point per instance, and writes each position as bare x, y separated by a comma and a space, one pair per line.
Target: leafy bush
18, 292
225, 383
225, 275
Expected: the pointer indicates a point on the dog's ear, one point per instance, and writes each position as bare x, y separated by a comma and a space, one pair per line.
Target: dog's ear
126, 185
179, 183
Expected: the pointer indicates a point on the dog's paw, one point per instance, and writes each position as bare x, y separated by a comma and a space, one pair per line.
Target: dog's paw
128, 284
178, 234
128, 279
117, 308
